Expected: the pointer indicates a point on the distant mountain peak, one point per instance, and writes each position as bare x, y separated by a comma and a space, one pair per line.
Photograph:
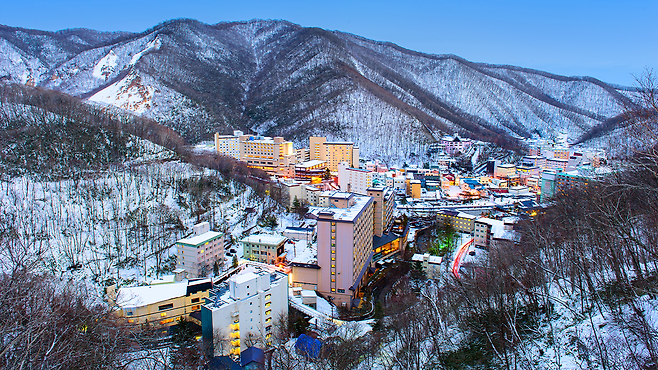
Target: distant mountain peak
278, 78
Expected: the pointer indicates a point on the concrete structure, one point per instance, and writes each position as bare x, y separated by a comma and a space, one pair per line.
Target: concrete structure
505, 171
344, 244
228, 144
293, 189
303, 155
384, 205
455, 144
415, 189
161, 303
305, 275
568, 180
430, 264
244, 306
561, 153
354, 180
533, 160
397, 182
556, 164
274, 155
197, 254
484, 231
460, 221
333, 152
264, 248
310, 170
547, 185
299, 233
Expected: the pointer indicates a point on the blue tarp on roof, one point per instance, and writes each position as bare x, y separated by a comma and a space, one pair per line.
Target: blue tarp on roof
308, 346
222, 363
252, 354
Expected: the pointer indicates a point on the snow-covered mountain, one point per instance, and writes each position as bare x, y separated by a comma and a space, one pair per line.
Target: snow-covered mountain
278, 78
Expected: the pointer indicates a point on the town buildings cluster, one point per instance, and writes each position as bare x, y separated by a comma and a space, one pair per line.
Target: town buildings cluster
349, 230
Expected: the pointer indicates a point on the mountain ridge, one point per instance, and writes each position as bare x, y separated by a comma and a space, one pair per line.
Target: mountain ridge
274, 77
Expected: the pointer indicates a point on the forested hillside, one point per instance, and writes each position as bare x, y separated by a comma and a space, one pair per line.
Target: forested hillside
278, 78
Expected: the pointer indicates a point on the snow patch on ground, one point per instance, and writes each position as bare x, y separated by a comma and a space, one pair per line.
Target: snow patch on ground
105, 67
129, 93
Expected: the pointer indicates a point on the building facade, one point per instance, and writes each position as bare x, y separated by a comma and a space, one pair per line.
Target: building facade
344, 242
264, 248
354, 180
333, 152
273, 155
162, 304
460, 221
228, 144
245, 306
197, 254
384, 201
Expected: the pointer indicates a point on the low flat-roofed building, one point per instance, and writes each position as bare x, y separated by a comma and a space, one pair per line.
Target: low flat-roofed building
299, 233
459, 221
264, 248
430, 264
162, 304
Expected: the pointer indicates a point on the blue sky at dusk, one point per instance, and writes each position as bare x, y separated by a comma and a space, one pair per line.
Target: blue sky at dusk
609, 40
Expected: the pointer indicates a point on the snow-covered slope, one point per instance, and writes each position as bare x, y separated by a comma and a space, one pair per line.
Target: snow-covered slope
278, 78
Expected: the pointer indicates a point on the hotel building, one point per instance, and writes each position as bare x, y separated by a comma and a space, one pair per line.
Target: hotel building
273, 155
344, 242
228, 144
333, 152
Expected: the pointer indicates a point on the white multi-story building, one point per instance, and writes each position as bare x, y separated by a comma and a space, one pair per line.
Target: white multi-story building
354, 180
197, 254
245, 306
396, 181
228, 144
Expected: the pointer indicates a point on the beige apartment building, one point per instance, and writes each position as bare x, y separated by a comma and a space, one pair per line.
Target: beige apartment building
344, 242
354, 180
273, 155
384, 205
333, 152
460, 221
228, 144
197, 254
